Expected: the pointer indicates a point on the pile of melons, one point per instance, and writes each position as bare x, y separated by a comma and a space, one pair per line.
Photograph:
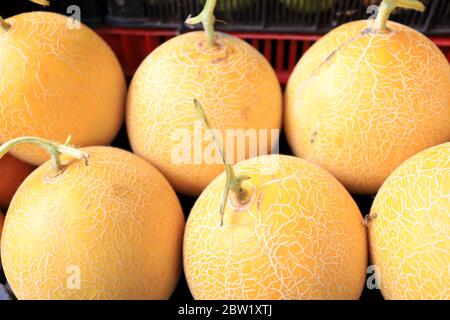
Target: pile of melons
366, 111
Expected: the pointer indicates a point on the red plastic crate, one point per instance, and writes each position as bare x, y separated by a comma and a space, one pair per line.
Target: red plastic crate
283, 51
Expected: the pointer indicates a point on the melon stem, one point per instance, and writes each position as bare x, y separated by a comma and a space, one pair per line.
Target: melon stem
4, 25
234, 182
386, 8
41, 2
207, 19
55, 149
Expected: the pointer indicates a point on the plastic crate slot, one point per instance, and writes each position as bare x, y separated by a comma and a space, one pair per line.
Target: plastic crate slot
292, 57
280, 55
268, 49
443, 14
339, 13
254, 43
151, 43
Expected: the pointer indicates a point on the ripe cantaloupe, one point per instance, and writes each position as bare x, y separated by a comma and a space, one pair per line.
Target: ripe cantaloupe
410, 228
288, 230
12, 173
111, 229
236, 83
363, 100
56, 81
300, 237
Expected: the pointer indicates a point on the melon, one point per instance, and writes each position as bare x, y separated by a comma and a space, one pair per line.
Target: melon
409, 230
366, 97
287, 230
111, 228
55, 81
237, 85
299, 237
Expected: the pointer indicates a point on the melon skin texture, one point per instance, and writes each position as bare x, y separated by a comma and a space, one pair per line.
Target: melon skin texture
301, 237
116, 225
359, 104
236, 85
410, 235
55, 82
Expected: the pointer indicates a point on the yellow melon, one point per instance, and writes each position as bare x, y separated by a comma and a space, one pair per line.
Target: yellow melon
299, 236
410, 228
56, 80
237, 85
362, 100
111, 229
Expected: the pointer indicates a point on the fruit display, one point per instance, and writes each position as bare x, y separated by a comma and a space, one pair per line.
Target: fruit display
147, 159
361, 100
12, 173
57, 79
238, 83
409, 229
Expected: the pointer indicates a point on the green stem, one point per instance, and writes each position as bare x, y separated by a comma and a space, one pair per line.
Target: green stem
386, 8
207, 18
4, 25
55, 149
44, 3
234, 182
